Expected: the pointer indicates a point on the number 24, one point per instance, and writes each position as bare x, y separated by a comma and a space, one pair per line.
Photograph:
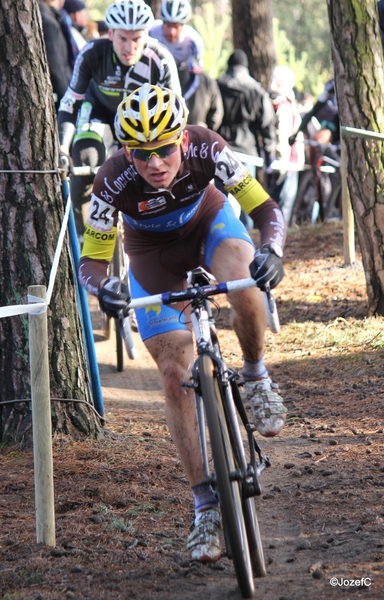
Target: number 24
104, 215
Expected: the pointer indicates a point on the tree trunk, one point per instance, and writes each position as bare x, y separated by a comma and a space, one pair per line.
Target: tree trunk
155, 6
253, 33
31, 211
358, 62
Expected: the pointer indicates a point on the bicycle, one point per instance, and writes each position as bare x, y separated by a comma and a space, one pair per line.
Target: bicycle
118, 268
234, 474
319, 191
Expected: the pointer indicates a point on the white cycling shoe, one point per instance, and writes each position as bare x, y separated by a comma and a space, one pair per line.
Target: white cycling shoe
266, 405
204, 540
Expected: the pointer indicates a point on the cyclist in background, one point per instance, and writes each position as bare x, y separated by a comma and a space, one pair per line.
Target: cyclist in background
106, 70
326, 111
184, 43
175, 219
202, 97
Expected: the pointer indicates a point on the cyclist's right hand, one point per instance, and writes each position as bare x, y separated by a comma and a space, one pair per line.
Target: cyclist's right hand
114, 297
292, 139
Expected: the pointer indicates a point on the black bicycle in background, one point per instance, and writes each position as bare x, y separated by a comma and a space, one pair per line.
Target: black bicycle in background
319, 192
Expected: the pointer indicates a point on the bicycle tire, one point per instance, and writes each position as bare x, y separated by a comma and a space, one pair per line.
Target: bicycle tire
254, 538
229, 491
334, 202
305, 199
117, 265
249, 510
106, 326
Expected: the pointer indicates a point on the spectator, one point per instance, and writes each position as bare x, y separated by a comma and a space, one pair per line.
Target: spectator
58, 47
248, 112
202, 96
78, 16
91, 31
184, 43
283, 184
102, 28
248, 115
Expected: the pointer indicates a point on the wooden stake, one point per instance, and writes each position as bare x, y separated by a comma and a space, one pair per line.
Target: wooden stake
41, 423
348, 218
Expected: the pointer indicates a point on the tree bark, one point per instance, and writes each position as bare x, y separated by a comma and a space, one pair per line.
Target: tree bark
253, 33
155, 6
358, 62
31, 211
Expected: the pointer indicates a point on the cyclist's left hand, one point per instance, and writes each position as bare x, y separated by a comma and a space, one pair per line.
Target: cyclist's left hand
267, 267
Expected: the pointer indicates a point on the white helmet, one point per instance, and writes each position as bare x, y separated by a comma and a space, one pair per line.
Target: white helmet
131, 15
175, 11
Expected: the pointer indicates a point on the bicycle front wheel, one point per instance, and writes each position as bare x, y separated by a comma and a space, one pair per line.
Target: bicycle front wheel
227, 486
254, 538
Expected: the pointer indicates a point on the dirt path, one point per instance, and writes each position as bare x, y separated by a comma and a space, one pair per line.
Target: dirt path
312, 511
123, 505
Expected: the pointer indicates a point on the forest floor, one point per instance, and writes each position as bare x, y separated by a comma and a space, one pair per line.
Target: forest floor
123, 505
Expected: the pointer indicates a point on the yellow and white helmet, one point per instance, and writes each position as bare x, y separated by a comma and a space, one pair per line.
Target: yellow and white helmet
150, 114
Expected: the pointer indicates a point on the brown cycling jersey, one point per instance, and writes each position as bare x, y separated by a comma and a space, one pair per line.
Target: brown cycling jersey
155, 218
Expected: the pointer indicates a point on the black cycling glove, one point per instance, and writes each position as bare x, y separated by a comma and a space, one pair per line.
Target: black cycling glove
267, 268
113, 297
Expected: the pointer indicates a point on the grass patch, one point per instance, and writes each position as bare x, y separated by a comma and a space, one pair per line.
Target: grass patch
147, 507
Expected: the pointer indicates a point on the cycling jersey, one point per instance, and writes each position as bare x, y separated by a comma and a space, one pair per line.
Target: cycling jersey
326, 111
156, 218
100, 78
189, 47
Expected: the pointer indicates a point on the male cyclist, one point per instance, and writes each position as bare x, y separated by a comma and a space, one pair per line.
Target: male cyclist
106, 70
174, 221
184, 43
326, 111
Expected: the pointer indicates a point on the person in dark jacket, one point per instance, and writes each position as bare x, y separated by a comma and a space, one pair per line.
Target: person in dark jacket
248, 111
249, 115
57, 47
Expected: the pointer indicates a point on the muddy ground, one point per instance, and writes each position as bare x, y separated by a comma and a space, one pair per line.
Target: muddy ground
123, 505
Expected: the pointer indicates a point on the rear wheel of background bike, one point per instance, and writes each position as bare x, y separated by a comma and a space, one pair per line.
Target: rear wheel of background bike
229, 490
118, 266
302, 211
334, 207
254, 538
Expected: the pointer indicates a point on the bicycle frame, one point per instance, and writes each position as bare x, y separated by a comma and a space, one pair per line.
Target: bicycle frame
206, 339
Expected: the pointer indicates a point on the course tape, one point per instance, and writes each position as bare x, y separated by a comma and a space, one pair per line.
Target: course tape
39, 305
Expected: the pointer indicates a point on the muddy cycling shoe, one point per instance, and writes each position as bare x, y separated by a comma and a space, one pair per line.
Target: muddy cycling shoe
204, 541
266, 405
